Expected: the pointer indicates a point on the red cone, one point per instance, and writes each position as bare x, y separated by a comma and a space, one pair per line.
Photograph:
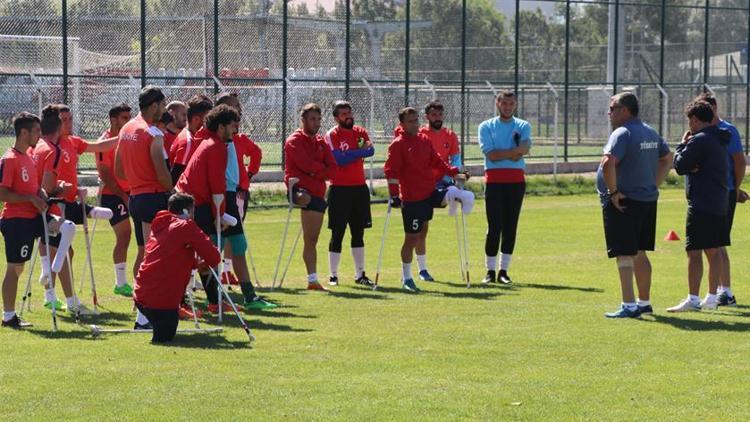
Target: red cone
671, 236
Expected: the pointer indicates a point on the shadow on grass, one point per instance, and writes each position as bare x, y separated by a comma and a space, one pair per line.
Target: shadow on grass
260, 325
698, 325
469, 294
203, 341
104, 318
359, 295
275, 313
83, 333
285, 290
556, 287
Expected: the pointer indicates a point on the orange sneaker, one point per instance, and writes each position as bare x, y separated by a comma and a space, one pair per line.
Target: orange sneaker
228, 277
186, 313
316, 286
214, 308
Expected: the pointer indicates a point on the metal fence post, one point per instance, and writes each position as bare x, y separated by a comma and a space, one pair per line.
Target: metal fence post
464, 119
143, 43
567, 76
216, 46
284, 64
65, 50
406, 53
516, 47
347, 51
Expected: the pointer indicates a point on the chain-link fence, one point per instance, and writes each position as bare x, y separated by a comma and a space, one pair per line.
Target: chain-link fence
382, 55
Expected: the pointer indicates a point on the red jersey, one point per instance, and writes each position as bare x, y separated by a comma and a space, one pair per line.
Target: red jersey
70, 147
169, 260
134, 148
185, 145
411, 160
245, 147
18, 173
445, 143
345, 142
107, 158
205, 174
309, 159
169, 138
47, 156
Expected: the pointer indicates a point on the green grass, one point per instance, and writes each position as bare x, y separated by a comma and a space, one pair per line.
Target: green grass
540, 350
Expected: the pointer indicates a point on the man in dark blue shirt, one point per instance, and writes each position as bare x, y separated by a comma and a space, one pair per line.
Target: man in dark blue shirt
702, 158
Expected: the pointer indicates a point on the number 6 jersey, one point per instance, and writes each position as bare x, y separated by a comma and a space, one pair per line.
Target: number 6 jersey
18, 173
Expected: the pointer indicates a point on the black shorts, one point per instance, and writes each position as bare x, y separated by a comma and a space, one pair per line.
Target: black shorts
118, 207
233, 210
349, 205
704, 230
416, 214
316, 204
243, 204
19, 235
164, 322
204, 218
726, 240
143, 209
631, 231
74, 212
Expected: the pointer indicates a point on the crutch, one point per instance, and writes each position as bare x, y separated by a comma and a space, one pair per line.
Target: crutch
460, 182
292, 181
382, 241
93, 227
460, 249
96, 330
250, 336
82, 198
192, 301
61, 205
49, 270
249, 250
218, 199
291, 255
27, 291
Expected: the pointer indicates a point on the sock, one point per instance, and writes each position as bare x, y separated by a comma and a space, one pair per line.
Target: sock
248, 291
406, 270
45, 268
694, 298
72, 302
359, 261
629, 306
228, 265
333, 262
140, 318
505, 261
8, 315
121, 274
422, 261
720, 290
728, 291
644, 302
49, 295
312, 278
710, 297
491, 262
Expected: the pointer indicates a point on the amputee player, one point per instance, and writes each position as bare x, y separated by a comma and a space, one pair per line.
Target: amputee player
114, 196
409, 169
24, 206
348, 196
308, 158
504, 141
445, 143
187, 141
178, 111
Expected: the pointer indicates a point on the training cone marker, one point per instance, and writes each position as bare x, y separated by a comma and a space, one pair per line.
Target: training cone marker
671, 236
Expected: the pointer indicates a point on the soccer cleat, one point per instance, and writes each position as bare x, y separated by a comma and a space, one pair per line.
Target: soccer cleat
228, 277
83, 310
214, 308
725, 300
624, 312
17, 323
333, 280
147, 326
410, 286
685, 306
185, 312
504, 278
59, 305
489, 278
645, 310
124, 290
363, 280
709, 305
259, 303
425, 276
314, 285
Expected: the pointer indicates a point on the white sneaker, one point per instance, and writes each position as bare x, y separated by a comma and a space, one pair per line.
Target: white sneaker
710, 305
83, 310
685, 306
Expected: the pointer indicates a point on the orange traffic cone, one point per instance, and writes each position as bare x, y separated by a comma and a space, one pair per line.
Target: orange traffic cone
671, 236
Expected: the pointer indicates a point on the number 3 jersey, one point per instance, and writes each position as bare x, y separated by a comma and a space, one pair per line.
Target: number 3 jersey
18, 173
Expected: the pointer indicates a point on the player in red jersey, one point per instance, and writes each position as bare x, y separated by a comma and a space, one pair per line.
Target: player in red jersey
178, 111
24, 207
141, 160
349, 197
409, 166
308, 158
114, 196
187, 141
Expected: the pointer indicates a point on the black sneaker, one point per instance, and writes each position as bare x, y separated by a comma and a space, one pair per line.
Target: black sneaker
333, 280
17, 323
504, 278
138, 326
363, 280
725, 300
490, 277
645, 309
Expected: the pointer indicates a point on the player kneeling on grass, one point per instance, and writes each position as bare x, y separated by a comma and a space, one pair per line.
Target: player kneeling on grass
410, 163
24, 207
169, 259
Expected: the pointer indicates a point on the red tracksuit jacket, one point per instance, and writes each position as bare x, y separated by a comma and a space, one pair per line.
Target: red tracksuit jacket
309, 159
245, 147
169, 260
411, 160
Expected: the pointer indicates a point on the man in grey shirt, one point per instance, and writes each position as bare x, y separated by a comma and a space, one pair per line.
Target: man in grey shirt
635, 163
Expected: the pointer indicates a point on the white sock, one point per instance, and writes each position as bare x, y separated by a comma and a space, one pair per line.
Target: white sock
228, 265
505, 261
728, 291
694, 298
8, 315
100, 213
422, 261
333, 262
72, 302
312, 278
140, 318
406, 270
359, 261
629, 305
49, 295
710, 298
121, 274
491, 262
45, 268
644, 302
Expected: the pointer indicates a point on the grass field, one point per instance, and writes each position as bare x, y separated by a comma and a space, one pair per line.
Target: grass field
539, 350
